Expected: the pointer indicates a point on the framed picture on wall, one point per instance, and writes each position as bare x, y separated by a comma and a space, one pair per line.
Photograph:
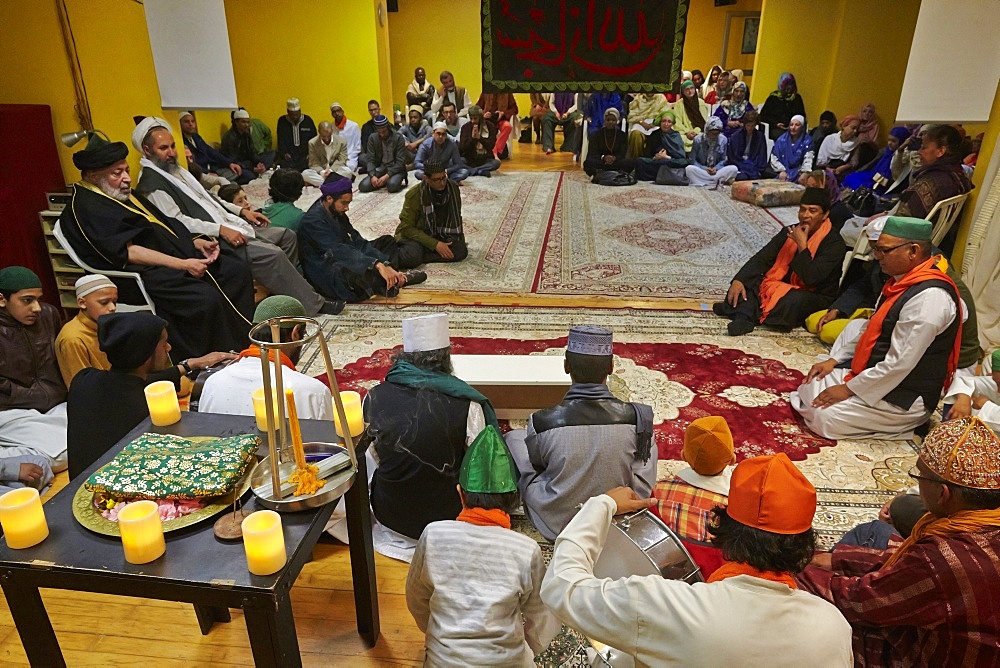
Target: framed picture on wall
750, 27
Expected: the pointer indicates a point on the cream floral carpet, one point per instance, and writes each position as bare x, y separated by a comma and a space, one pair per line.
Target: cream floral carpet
752, 378
555, 233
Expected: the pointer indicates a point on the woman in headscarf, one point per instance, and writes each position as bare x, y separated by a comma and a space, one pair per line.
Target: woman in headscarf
880, 176
731, 111
836, 151
827, 126
723, 89
642, 118
792, 153
708, 168
691, 114
698, 78
781, 105
868, 132
664, 146
709, 84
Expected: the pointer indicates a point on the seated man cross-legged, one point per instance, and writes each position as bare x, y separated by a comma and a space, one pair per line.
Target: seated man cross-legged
588, 442
884, 376
795, 274
430, 224
386, 158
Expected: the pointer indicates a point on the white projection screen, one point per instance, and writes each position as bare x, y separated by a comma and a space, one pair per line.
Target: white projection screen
954, 65
190, 43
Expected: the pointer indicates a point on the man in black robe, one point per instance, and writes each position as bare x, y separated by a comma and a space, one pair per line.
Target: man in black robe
205, 295
136, 344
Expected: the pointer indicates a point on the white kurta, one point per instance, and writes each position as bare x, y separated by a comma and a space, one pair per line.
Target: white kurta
467, 588
25, 431
228, 391
867, 414
983, 386
352, 135
740, 621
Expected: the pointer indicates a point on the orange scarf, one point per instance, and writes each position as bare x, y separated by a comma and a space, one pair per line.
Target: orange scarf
254, 351
933, 268
340, 125
484, 518
773, 287
964, 521
731, 569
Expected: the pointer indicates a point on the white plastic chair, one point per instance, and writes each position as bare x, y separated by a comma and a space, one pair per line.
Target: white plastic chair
122, 307
861, 251
943, 216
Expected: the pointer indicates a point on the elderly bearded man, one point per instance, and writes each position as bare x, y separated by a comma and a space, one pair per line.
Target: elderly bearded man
271, 251
205, 296
933, 601
327, 154
884, 376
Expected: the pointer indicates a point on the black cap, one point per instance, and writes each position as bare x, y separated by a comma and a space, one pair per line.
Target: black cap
129, 339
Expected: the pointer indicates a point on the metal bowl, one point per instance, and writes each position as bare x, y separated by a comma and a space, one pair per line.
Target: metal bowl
335, 487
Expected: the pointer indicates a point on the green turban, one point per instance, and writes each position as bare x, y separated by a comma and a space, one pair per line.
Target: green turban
911, 229
995, 360
488, 467
14, 279
278, 306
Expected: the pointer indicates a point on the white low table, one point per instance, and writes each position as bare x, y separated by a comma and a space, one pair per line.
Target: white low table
516, 385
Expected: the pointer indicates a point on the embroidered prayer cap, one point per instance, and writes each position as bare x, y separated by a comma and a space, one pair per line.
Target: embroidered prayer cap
143, 127
874, 228
241, 113
380, 121
99, 153
426, 332
16, 278
336, 105
92, 283
816, 196
611, 111
488, 467
965, 452
336, 185
708, 445
995, 360
713, 123
129, 339
590, 340
911, 229
292, 104
279, 306
769, 493
415, 107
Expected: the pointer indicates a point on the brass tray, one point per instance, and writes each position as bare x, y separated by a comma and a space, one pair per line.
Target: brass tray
87, 515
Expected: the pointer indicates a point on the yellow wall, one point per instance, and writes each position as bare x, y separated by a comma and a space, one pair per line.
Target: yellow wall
992, 134
705, 30
115, 58
862, 56
436, 35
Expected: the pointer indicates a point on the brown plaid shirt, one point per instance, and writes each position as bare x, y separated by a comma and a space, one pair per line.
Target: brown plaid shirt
686, 509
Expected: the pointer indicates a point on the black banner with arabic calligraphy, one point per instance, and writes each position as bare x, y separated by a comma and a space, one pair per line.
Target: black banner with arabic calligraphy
582, 45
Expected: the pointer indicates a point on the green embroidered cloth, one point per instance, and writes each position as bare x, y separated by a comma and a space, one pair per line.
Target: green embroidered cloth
161, 466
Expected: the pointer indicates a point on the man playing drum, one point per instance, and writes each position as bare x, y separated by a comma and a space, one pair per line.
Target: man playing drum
750, 612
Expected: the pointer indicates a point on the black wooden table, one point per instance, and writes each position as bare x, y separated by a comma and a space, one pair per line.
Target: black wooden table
197, 568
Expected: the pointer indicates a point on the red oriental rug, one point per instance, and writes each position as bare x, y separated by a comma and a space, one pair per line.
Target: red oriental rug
694, 380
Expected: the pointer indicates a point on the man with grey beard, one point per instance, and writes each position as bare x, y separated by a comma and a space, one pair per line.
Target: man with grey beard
271, 251
205, 295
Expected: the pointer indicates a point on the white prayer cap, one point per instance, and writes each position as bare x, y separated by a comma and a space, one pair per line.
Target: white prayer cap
874, 228
180, 116
425, 332
241, 113
92, 283
336, 105
143, 127
440, 125
292, 104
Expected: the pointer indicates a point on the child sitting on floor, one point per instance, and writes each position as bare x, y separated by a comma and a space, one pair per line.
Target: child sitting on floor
472, 579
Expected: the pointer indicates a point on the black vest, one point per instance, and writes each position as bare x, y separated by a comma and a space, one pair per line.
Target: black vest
927, 378
419, 439
150, 181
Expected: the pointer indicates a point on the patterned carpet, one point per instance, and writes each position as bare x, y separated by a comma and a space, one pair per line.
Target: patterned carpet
681, 363
555, 233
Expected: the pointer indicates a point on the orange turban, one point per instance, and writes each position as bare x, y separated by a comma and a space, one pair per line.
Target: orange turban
708, 445
771, 494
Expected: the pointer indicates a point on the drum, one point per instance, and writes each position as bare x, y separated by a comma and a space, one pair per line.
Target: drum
639, 544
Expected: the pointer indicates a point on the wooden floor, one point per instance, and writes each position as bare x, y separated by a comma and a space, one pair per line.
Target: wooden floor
97, 629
